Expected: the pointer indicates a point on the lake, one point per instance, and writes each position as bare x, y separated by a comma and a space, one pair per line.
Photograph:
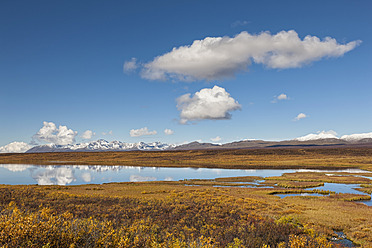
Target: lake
26, 174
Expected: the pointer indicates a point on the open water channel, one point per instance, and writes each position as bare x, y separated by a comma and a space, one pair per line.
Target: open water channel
14, 174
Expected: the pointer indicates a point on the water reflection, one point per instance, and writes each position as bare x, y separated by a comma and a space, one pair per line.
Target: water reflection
84, 174
55, 176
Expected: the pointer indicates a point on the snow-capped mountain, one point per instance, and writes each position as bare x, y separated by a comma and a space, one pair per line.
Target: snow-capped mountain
100, 145
357, 137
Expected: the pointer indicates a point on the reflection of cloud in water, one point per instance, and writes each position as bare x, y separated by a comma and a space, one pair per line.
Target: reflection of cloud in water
138, 178
168, 179
56, 176
16, 167
86, 177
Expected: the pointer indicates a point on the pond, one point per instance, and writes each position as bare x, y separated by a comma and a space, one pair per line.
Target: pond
87, 174
14, 174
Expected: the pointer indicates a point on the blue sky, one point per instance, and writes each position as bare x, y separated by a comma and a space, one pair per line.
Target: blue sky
62, 62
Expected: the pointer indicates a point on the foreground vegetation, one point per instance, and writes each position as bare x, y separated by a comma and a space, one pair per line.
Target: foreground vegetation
312, 158
36, 216
174, 214
192, 213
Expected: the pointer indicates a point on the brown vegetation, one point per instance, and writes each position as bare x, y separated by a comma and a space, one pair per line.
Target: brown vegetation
329, 158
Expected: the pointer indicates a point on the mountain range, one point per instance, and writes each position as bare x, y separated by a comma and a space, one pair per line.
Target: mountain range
103, 145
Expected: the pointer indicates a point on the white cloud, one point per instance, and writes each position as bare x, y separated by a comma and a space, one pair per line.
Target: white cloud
51, 134
168, 131
319, 135
216, 139
141, 132
215, 58
300, 116
357, 136
88, 134
15, 147
280, 98
130, 65
212, 104
107, 133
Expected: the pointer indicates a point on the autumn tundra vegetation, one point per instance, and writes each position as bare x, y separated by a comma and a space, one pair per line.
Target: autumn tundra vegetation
192, 213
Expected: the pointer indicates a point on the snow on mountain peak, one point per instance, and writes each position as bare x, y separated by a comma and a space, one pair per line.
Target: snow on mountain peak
318, 136
357, 136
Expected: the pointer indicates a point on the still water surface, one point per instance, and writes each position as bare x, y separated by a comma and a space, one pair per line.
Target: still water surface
97, 174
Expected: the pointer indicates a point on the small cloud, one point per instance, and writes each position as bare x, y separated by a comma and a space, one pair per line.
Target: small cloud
15, 147
130, 66
207, 104
280, 98
108, 133
88, 134
141, 132
216, 139
300, 116
168, 131
59, 136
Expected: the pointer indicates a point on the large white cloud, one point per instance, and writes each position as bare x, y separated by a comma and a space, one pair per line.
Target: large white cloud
319, 135
357, 136
15, 147
51, 134
213, 104
216, 58
141, 132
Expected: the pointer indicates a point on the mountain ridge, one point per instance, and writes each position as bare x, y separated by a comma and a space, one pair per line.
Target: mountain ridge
103, 145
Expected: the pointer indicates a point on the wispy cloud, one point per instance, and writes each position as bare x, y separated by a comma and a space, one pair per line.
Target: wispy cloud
168, 131
107, 133
206, 104
141, 132
239, 23
216, 58
130, 66
216, 139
